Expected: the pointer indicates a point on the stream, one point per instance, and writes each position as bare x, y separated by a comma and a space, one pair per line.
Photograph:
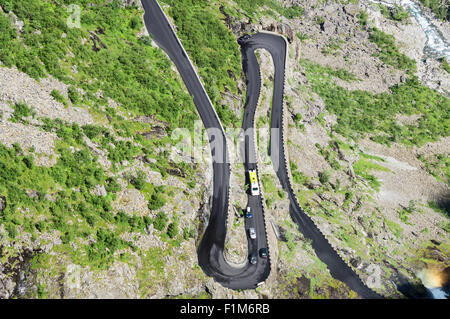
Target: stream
436, 46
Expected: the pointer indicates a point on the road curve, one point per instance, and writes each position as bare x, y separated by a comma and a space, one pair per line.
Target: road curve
211, 249
277, 47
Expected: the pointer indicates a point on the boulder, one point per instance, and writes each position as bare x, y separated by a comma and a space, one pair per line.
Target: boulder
351, 9
303, 285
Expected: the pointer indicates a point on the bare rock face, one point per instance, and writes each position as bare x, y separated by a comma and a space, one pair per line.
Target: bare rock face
156, 131
235, 25
282, 28
303, 286
16, 276
351, 9
130, 3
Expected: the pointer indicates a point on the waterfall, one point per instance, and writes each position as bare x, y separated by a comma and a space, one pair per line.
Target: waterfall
436, 46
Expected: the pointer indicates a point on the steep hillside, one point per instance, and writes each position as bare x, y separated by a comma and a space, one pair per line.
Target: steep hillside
94, 203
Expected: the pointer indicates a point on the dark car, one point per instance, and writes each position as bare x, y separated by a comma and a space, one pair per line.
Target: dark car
244, 37
253, 260
263, 252
248, 212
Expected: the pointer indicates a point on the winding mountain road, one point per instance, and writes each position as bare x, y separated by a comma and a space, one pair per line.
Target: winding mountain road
277, 47
211, 249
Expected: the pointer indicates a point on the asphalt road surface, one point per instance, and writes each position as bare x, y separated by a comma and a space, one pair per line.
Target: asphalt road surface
277, 47
210, 251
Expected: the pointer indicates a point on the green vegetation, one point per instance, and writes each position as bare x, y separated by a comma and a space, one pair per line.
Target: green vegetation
395, 228
329, 71
363, 167
442, 208
300, 178
445, 65
361, 113
396, 12
298, 122
324, 177
101, 61
21, 110
74, 212
404, 213
363, 18
101, 253
173, 230
61, 199
389, 52
439, 7
160, 222
333, 46
297, 176
320, 20
117, 63
268, 184
330, 155
157, 199
188, 232
74, 95
252, 7
152, 269
132, 223
139, 181
212, 47
437, 165
58, 97
301, 36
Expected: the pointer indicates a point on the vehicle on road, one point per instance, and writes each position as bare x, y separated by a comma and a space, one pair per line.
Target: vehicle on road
248, 212
252, 233
253, 259
254, 185
244, 37
263, 252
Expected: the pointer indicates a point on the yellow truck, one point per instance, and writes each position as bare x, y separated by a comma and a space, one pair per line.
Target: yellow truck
254, 185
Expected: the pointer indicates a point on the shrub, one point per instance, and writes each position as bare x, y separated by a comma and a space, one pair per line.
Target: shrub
73, 94
21, 110
58, 97
445, 65
102, 251
160, 221
396, 13
364, 166
139, 180
157, 199
93, 131
188, 232
389, 53
29, 161
300, 178
112, 186
320, 20
363, 18
439, 7
324, 176
172, 230
251, 7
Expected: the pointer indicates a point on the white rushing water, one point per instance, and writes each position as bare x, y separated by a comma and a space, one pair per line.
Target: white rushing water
438, 293
436, 45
